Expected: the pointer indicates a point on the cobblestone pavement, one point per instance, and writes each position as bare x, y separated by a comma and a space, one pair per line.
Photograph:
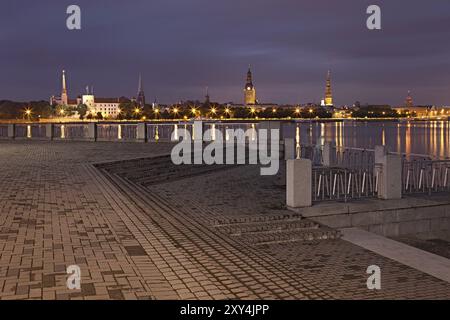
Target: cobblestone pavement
135, 239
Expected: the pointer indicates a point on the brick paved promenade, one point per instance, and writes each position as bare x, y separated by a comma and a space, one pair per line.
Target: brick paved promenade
143, 233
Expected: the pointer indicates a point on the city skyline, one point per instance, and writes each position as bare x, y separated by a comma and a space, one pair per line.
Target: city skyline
180, 50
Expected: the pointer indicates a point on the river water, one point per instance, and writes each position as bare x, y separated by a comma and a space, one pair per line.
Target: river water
419, 137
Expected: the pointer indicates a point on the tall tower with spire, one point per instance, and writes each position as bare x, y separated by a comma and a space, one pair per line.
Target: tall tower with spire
249, 89
207, 99
328, 91
140, 100
409, 100
64, 96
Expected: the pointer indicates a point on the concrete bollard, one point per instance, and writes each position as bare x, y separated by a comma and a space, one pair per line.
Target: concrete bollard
11, 131
298, 183
328, 154
289, 149
380, 153
49, 131
390, 177
141, 134
197, 131
92, 131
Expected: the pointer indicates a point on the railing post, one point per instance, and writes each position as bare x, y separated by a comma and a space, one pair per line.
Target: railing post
328, 154
49, 131
141, 133
298, 183
380, 153
289, 149
92, 131
11, 131
390, 177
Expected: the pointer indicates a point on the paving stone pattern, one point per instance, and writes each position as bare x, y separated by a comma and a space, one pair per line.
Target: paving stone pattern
140, 229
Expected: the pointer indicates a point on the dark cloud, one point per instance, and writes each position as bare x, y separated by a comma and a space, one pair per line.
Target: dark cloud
182, 46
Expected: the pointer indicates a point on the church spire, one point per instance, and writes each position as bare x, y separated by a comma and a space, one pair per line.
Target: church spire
140, 96
64, 86
328, 91
249, 76
207, 100
409, 100
140, 83
249, 89
64, 96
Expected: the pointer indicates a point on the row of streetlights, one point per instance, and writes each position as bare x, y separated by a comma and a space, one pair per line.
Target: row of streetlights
176, 110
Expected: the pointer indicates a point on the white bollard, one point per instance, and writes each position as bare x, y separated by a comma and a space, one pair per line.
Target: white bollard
49, 131
298, 183
11, 131
380, 153
390, 177
141, 134
92, 131
289, 149
328, 154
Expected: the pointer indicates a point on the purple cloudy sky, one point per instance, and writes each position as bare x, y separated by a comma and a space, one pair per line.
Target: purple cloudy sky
182, 46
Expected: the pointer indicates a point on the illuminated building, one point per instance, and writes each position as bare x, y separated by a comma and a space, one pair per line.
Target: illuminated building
249, 90
328, 101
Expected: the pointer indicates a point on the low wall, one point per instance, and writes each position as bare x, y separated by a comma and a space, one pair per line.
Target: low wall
411, 215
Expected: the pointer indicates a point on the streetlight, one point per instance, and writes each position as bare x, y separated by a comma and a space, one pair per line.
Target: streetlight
28, 112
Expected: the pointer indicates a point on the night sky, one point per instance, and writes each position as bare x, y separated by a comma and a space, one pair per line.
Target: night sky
182, 46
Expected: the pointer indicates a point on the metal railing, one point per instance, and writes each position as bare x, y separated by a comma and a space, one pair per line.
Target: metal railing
167, 132
3, 131
116, 132
311, 152
30, 131
71, 131
353, 158
425, 176
329, 183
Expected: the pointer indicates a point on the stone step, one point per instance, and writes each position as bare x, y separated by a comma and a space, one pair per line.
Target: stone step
157, 170
268, 227
291, 236
287, 217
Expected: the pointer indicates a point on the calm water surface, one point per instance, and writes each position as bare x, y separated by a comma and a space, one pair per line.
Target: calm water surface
420, 137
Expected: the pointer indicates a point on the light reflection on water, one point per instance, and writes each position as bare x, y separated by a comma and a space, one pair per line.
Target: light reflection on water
419, 137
